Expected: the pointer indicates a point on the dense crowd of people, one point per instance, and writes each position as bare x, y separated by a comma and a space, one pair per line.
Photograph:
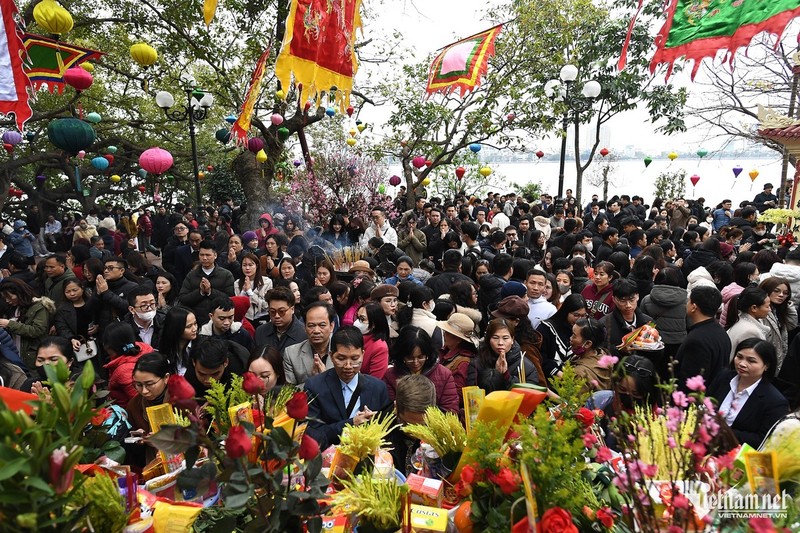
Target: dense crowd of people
447, 294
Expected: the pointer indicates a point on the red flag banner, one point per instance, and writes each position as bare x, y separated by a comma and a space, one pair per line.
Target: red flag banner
318, 48
697, 29
459, 66
242, 125
14, 84
49, 59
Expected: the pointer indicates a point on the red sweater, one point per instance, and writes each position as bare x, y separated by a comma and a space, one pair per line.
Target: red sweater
442, 378
376, 357
120, 376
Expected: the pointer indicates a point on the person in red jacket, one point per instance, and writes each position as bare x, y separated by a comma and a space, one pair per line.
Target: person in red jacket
598, 294
145, 226
119, 342
371, 322
413, 353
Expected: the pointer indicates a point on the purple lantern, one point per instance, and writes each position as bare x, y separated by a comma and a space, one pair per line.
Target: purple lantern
297, 163
155, 160
394, 181
40, 179
255, 145
736, 171
12, 137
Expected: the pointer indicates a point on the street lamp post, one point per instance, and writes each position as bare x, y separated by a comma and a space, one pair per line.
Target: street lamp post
195, 111
560, 90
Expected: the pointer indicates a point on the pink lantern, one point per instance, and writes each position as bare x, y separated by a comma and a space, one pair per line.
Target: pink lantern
394, 181
276, 119
155, 160
78, 78
255, 145
418, 162
694, 179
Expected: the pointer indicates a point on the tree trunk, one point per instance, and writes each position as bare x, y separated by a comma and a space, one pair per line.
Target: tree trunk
256, 181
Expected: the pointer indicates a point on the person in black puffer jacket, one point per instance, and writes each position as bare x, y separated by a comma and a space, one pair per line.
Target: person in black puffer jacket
666, 304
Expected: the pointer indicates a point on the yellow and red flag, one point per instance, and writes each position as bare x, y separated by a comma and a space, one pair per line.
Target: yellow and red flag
242, 125
318, 48
459, 66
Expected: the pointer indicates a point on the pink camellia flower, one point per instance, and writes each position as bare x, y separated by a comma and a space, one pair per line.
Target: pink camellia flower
679, 501
696, 384
607, 361
679, 399
589, 440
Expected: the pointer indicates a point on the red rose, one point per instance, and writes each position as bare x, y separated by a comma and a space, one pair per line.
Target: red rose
179, 389
585, 416
297, 406
253, 384
101, 416
606, 517
468, 475
238, 443
309, 448
557, 520
506, 479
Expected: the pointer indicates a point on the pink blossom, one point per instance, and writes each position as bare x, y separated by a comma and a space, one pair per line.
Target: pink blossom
603, 454
696, 384
679, 501
674, 418
631, 438
607, 361
589, 440
702, 435
650, 470
680, 399
674, 529
671, 443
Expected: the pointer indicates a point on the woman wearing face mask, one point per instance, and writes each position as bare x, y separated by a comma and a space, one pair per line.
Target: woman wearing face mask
119, 342
83, 230
413, 353
782, 317
255, 286
371, 322
177, 334
419, 312
500, 356
744, 275
78, 316
586, 341
747, 315
485, 231
564, 280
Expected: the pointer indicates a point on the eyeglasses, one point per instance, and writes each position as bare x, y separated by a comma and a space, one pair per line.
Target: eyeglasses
627, 301
631, 368
146, 307
109, 267
148, 385
412, 359
278, 312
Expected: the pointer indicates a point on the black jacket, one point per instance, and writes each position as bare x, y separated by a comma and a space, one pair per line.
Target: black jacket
237, 365
114, 301
221, 285
616, 328
758, 414
267, 335
489, 291
698, 258
705, 351
441, 283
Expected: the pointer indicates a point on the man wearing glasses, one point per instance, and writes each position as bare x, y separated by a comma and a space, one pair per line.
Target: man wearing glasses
380, 227
283, 329
112, 290
144, 315
343, 395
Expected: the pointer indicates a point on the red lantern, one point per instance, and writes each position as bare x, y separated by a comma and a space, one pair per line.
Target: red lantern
141, 188
210, 168
428, 163
110, 159
604, 152
418, 162
307, 106
694, 179
460, 171
510, 117
9, 147
155, 160
78, 78
350, 110
539, 154
394, 181
255, 145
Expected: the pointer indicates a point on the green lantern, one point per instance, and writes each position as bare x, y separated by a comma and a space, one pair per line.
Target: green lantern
70, 134
283, 133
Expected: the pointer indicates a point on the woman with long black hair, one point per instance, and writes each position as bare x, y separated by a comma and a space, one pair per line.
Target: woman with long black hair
177, 335
556, 332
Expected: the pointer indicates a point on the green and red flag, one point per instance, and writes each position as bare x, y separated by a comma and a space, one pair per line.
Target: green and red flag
49, 59
460, 66
696, 29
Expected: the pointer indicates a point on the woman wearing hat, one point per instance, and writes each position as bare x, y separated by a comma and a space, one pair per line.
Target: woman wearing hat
361, 269
500, 358
459, 350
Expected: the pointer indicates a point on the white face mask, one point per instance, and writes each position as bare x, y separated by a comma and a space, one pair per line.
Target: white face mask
589, 246
760, 233
147, 316
430, 305
363, 328
484, 234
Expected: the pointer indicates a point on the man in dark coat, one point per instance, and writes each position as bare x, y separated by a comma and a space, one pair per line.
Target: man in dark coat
441, 283
706, 349
205, 283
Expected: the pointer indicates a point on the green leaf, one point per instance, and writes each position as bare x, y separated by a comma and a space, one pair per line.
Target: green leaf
174, 439
39, 484
191, 456
11, 468
313, 467
237, 500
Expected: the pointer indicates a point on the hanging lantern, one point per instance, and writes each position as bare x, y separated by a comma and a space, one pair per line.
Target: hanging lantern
16, 193
426, 182
353, 132
144, 54
115, 178
647, 161
753, 174
88, 67
100, 163
279, 94
297, 163
694, 179
12, 137
460, 171
155, 160
170, 179
112, 149
78, 79
702, 152
255, 144
223, 135
283, 133
141, 189
276, 119
142, 173
8, 147
52, 17
94, 117
351, 142
539, 154
40, 179
475, 148
70, 134
418, 162
736, 171
394, 181
361, 127
428, 163
510, 117
485, 172
109, 158
261, 156
672, 156
230, 119
30, 136
350, 110
330, 111
201, 175
210, 168
81, 154
604, 152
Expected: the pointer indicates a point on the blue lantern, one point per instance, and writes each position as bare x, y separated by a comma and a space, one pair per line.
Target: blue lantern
230, 119
142, 173
330, 111
100, 163
475, 147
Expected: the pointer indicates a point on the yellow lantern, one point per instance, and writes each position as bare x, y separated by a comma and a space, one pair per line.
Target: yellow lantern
88, 67
115, 178
201, 175
485, 171
144, 54
426, 182
280, 95
261, 156
672, 156
52, 17
350, 141
753, 174
352, 132
361, 127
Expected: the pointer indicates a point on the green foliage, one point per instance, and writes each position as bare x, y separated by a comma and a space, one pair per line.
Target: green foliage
670, 184
220, 398
377, 502
221, 183
530, 192
484, 445
106, 507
